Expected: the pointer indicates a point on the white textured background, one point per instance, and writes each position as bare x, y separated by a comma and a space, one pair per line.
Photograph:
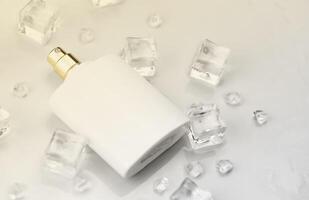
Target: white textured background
268, 66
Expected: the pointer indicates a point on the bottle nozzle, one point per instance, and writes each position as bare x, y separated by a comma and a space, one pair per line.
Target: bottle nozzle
61, 61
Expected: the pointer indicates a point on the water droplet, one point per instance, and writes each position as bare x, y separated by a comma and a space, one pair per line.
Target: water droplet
21, 90
233, 99
155, 21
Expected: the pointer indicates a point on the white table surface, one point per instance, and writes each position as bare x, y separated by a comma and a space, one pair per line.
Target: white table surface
268, 66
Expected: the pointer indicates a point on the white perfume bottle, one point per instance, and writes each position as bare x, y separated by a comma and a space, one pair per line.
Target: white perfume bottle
126, 120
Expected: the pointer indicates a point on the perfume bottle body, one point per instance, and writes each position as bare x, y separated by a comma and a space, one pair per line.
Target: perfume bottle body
126, 120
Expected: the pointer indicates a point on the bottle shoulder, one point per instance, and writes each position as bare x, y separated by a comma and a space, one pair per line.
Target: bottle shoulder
100, 64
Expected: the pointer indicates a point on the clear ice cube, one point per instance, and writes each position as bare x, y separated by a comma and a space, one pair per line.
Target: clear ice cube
224, 167
189, 190
160, 185
4, 122
206, 129
17, 191
104, 3
38, 21
260, 117
64, 153
205, 120
194, 169
141, 54
208, 63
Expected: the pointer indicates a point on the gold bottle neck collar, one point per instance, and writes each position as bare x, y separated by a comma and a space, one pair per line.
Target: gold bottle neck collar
61, 61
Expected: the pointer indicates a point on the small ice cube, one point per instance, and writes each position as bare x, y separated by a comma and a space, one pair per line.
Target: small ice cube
194, 169
188, 190
224, 167
160, 185
260, 117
